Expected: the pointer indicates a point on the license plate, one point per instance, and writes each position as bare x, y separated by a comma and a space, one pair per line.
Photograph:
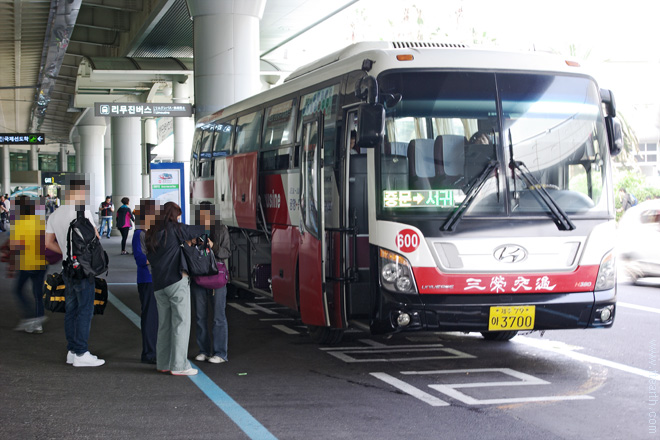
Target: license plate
512, 318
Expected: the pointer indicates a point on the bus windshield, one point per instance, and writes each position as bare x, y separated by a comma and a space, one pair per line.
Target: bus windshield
453, 131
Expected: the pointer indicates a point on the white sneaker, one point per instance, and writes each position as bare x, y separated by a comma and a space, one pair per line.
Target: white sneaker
201, 357
69, 357
87, 360
188, 372
216, 360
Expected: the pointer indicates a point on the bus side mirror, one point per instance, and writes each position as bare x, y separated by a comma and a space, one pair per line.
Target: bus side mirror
607, 98
371, 125
615, 135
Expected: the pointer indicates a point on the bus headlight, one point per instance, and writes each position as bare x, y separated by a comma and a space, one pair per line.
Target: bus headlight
606, 273
396, 272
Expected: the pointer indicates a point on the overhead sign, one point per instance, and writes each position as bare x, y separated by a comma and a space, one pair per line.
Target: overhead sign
22, 138
141, 109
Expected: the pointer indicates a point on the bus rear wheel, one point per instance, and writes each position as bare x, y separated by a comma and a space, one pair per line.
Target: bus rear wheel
499, 336
325, 335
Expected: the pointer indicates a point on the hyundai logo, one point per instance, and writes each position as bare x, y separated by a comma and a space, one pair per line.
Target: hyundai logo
510, 253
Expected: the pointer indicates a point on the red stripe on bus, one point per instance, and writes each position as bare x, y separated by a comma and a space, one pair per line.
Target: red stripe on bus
243, 178
431, 281
274, 198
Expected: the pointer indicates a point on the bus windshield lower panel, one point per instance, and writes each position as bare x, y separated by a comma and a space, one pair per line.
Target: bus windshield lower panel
450, 126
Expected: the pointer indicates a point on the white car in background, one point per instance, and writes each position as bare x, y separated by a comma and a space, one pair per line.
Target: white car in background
638, 240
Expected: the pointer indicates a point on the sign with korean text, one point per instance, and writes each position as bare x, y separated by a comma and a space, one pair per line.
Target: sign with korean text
430, 198
22, 139
141, 109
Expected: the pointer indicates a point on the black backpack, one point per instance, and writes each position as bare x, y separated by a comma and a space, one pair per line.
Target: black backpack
85, 257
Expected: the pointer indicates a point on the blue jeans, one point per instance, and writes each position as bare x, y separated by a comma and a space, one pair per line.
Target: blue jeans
37, 277
106, 221
79, 305
218, 300
148, 320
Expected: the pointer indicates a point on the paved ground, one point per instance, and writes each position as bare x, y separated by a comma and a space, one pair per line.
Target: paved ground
278, 384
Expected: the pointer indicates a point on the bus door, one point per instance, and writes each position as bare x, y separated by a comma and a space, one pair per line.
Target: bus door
356, 248
311, 260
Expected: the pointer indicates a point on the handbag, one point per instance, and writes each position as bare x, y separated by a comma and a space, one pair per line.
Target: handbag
216, 281
199, 259
54, 298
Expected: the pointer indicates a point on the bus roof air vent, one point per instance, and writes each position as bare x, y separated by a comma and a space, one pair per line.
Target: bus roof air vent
422, 44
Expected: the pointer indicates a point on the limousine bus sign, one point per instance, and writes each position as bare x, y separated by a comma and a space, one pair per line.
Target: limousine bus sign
142, 109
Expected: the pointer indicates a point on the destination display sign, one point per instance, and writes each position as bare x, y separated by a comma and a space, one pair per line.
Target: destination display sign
141, 109
22, 139
427, 198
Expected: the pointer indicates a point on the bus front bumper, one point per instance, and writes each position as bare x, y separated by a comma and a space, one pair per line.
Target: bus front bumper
471, 313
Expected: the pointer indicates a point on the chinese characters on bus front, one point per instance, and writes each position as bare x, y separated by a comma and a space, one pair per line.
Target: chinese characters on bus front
419, 199
498, 284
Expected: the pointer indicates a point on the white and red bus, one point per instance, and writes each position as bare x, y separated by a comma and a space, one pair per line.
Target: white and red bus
478, 197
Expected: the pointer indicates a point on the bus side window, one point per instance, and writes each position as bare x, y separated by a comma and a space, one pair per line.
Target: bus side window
223, 138
324, 100
206, 169
279, 125
248, 130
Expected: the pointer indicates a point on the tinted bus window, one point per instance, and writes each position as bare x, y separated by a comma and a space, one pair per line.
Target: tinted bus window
247, 132
324, 100
278, 126
207, 143
274, 160
223, 138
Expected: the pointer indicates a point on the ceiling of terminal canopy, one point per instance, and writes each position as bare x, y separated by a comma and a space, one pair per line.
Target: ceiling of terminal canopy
42, 43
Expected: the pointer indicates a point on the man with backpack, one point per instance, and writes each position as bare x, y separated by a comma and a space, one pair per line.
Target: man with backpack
72, 226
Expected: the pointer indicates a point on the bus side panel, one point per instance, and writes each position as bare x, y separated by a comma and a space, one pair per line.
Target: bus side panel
312, 301
201, 190
336, 301
224, 200
244, 181
275, 199
284, 251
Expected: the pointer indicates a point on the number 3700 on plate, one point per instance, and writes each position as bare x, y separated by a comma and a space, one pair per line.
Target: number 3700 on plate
511, 318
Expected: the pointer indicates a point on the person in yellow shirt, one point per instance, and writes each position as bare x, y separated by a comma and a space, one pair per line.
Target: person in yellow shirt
27, 237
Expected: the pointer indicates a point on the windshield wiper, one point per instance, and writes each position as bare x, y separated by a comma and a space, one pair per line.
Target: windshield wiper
561, 219
458, 213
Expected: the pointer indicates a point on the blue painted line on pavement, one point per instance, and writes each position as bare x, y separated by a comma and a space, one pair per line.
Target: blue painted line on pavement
239, 415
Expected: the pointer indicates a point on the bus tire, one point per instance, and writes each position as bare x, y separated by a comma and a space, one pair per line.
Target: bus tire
325, 335
499, 336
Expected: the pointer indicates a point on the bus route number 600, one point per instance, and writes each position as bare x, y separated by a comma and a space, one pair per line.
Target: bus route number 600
407, 240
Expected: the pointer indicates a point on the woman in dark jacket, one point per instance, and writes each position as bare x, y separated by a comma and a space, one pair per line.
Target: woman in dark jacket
125, 220
171, 289
215, 299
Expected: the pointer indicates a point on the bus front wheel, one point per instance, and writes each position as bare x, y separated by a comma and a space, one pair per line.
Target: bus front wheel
498, 336
325, 335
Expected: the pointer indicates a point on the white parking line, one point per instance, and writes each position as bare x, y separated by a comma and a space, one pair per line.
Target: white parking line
285, 329
636, 307
561, 348
409, 389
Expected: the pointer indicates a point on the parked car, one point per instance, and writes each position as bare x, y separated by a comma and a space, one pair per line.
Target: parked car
638, 241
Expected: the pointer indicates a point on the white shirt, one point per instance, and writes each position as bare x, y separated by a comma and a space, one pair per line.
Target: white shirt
59, 221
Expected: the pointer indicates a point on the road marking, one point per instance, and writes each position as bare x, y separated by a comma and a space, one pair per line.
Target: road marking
276, 319
285, 329
243, 419
561, 348
451, 390
251, 310
409, 389
347, 354
636, 307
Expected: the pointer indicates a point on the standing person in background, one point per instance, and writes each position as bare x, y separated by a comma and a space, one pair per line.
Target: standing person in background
125, 220
145, 216
105, 213
79, 292
215, 299
171, 289
26, 240
4, 212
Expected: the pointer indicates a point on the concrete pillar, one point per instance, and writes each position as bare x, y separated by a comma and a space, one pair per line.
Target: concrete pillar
33, 158
75, 139
6, 170
184, 129
226, 42
126, 160
91, 159
149, 136
107, 155
63, 158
